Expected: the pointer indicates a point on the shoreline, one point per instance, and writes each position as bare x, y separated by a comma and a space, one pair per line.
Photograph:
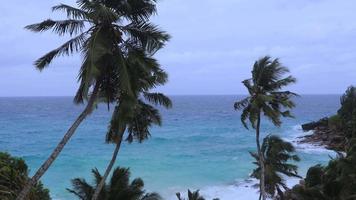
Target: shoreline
245, 189
324, 134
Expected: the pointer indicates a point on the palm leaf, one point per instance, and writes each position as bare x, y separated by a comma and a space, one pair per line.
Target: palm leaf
61, 27
73, 45
158, 99
148, 35
71, 12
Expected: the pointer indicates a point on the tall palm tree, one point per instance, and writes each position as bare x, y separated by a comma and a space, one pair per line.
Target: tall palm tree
103, 31
277, 153
136, 118
267, 98
119, 187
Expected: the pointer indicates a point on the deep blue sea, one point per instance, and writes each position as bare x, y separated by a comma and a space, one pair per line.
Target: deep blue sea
201, 143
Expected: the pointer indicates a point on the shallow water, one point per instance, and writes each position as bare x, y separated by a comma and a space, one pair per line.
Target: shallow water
201, 144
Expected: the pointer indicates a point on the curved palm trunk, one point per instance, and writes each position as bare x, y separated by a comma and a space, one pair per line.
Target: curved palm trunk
108, 169
261, 159
44, 167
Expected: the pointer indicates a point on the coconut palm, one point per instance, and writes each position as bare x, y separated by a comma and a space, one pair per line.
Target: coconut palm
119, 187
267, 98
276, 153
103, 32
137, 115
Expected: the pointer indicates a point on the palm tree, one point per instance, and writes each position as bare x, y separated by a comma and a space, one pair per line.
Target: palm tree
277, 153
103, 31
119, 187
191, 196
136, 118
265, 97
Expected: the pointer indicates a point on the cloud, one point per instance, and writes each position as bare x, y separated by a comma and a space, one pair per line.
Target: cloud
213, 46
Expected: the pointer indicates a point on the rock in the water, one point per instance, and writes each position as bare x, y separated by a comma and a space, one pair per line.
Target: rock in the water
312, 125
324, 135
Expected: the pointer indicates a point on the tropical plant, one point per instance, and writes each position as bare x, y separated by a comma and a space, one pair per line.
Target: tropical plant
104, 32
13, 176
191, 196
136, 118
277, 153
265, 97
336, 181
119, 187
347, 112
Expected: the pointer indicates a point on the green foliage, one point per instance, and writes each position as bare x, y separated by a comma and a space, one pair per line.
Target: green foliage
314, 176
136, 112
119, 187
266, 97
192, 196
335, 122
347, 112
265, 93
336, 181
277, 154
106, 33
13, 176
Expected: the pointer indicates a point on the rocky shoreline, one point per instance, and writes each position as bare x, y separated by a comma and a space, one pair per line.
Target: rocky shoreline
323, 135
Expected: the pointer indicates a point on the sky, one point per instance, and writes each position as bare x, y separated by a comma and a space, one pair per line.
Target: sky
213, 47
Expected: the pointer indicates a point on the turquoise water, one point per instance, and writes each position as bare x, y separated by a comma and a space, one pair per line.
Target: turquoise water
201, 144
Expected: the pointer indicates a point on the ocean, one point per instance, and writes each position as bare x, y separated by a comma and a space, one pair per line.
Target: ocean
201, 144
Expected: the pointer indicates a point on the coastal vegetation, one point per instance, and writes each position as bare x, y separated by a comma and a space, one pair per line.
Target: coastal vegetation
266, 98
136, 116
277, 154
118, 44
191, 196
14, 175
119, 187
107, 33
335, 132
337, 180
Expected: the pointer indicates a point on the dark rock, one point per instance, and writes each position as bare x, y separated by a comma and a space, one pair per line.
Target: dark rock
324, 135
312, 125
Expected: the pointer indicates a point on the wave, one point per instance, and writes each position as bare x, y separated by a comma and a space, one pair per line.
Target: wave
245, 189
241, 190
295, 137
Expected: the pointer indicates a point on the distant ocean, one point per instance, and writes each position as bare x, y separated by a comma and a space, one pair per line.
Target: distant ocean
201, 145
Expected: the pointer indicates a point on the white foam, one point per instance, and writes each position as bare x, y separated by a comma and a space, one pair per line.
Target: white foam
243, 190
295, 138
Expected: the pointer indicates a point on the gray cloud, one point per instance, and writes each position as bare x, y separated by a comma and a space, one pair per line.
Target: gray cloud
213, 47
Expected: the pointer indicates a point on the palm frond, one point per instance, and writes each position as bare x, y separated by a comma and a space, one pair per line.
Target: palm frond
148, 35
151, 196
144, 117
133, 10
60, 27
73, 45
81, 189
97, 175
158, 99
242, 104
122, 115
72, 12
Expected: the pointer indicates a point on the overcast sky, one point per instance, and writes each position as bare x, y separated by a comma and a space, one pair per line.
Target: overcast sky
214, 44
